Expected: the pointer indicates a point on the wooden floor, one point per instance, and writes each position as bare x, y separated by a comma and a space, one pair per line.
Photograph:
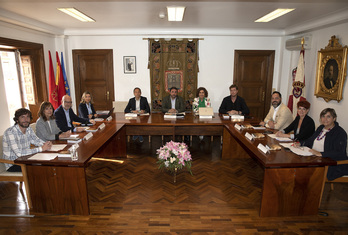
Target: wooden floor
222, 197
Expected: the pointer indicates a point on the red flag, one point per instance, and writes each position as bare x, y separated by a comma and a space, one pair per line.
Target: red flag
52, 87
60, 80
298, 91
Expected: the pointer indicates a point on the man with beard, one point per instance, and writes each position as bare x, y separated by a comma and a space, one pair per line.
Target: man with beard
173, 103
279, 116
234, 104
330, 81
18, 138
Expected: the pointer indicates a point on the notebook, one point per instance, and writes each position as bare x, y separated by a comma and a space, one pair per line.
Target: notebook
208, 111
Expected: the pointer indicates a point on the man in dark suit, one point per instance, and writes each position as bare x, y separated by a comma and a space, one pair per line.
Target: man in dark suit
173, 103
65, 116
330, 81
137, 104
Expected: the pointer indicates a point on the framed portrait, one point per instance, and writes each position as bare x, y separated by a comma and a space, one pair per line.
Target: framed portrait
129, 64
331, 71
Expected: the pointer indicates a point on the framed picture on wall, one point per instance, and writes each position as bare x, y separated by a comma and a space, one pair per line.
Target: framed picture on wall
129, 64
331, 71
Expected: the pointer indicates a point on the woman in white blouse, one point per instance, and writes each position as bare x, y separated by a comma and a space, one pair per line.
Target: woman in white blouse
46, 127
329, 140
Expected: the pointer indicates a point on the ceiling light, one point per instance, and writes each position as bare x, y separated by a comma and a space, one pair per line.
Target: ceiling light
175, 13
274, 14
76, 14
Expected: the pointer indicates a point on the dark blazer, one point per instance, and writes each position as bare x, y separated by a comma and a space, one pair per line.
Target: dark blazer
306, 130
62, 122
83, 111
144, 105
335, 146
167, 104
238, 105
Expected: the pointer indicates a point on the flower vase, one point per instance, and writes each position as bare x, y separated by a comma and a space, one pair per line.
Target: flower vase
175, 170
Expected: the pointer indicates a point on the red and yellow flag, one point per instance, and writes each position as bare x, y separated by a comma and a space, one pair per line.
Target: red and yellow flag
60, 80
52, 86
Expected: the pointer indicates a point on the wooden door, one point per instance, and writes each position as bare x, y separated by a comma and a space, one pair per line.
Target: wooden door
253, 73
93, 72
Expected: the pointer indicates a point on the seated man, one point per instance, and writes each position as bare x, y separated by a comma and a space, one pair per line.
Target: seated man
234, 104
173, 103
279, 116
18, 138
138, 104
65, 116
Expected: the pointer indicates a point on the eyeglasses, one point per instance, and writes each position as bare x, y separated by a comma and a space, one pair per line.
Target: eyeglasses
68, 102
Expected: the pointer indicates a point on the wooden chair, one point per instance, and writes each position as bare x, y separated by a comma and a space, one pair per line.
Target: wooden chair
14, 176
119, 106
343, 179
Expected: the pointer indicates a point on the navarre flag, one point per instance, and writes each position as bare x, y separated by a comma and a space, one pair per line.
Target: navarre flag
59, 81
52, 87
66, 84
298, 91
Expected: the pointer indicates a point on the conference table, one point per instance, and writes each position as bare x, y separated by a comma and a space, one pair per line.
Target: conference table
292, 185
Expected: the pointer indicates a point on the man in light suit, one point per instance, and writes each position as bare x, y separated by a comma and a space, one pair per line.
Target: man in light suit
279, 116
173, 103
65, 116
137, 104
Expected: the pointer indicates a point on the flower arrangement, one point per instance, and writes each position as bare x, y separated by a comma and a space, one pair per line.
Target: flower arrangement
174, 156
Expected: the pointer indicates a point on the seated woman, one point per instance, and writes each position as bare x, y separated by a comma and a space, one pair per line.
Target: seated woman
201, 100
46, 127
303, 125
86, 109
137, 104
329, 140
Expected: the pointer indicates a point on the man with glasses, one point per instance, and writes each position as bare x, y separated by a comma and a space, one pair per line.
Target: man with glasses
65, 116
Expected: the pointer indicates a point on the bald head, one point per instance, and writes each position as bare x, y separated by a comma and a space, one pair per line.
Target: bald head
66, 102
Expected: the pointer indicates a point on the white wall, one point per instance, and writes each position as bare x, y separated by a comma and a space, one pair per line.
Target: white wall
216, 58
216, 55
320, 39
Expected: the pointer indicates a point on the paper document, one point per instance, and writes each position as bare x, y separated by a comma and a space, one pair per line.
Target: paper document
259, 127
302, 151
71, 137
284, 139
98, 119
57, 147
44, 156
273, 136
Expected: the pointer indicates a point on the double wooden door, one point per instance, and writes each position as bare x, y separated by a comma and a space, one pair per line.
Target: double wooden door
253, 73
93, 72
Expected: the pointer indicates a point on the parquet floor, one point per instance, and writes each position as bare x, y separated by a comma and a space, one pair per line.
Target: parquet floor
222, 197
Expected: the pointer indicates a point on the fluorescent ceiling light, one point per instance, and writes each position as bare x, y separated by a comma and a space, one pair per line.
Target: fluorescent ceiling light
274, 14
175, 13
76, 14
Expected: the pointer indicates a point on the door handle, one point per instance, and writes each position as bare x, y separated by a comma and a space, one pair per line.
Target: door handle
107, 95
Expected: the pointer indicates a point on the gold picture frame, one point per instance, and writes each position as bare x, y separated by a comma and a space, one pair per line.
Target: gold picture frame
331, 71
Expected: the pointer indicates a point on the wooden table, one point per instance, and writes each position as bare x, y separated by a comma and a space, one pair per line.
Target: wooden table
59, 186
291, 186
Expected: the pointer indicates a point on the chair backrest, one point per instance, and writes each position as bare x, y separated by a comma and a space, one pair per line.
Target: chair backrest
119, 106
33, 126
2, 165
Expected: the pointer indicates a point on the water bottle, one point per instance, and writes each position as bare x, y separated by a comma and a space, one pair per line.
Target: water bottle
74, 155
